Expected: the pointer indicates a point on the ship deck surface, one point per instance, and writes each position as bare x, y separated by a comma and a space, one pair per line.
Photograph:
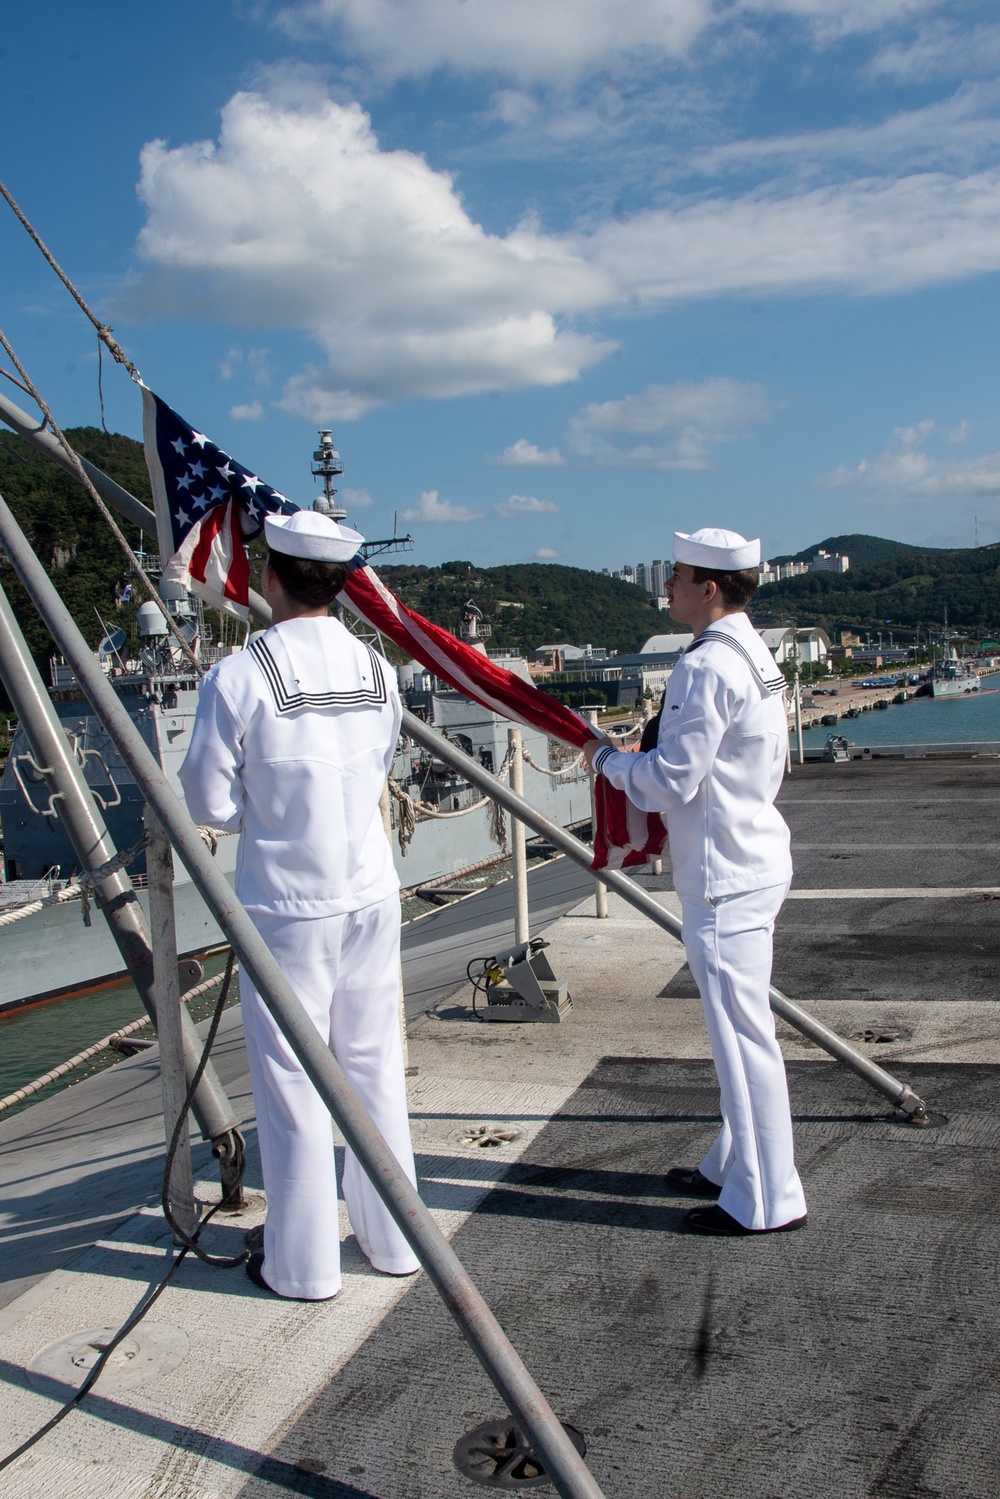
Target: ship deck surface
857, 1358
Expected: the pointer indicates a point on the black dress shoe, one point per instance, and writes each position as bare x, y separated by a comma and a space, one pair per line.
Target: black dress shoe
689, 1180
718, 1222
255, 1270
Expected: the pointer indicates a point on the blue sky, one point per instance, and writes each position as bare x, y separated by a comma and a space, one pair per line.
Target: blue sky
562, 275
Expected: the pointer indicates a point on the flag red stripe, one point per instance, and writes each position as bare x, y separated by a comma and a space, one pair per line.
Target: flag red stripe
620, 839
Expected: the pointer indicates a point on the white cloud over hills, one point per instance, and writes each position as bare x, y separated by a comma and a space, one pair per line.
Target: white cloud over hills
435, 511
525, 454
905, 471
524, 504
685, 420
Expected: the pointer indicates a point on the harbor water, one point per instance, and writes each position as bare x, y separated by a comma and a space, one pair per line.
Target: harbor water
923, 720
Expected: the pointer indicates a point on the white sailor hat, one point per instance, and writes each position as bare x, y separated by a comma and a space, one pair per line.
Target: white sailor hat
723, 551
309, 534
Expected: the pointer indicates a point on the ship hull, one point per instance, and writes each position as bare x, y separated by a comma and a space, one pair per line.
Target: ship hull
954, 686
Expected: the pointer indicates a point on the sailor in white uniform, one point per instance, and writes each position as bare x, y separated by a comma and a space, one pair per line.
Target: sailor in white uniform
714, 773
292, 743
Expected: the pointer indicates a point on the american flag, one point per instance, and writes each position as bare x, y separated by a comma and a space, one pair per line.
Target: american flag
207, 506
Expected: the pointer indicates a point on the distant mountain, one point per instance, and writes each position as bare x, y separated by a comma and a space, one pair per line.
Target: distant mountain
863, 551
910, 588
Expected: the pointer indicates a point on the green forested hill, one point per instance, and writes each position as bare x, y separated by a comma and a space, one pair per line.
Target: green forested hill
910, 590
67, 532
558, 603
863, 551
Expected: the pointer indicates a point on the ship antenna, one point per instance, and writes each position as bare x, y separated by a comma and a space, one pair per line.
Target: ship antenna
327, 466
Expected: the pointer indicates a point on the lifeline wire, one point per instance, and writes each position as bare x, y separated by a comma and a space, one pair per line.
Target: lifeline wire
189, 1242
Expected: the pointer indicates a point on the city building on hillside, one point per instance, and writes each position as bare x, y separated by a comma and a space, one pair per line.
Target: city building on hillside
829, 562
821, 562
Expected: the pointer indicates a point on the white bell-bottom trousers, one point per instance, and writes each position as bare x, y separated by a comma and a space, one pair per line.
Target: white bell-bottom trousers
729, 945
345, 971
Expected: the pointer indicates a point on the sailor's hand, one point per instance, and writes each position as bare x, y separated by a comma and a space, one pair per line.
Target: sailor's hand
592, 746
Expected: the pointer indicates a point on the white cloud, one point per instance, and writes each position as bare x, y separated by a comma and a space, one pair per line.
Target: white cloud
536, 41
434, 510
355, 499
960, 130
546, 554
252, 412
940, 49
296, 219
530, 40
255, 361
905, 471
692, 416
525, 453
524, 504
867, 235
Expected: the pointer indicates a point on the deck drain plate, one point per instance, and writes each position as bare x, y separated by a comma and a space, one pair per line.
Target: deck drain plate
151, 1350
499, 1453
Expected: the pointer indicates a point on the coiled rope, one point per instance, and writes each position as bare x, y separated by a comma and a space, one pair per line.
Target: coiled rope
412, 808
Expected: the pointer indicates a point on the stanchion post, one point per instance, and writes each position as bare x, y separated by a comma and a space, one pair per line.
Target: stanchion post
166, 982
517, 841
383, 804
600, 889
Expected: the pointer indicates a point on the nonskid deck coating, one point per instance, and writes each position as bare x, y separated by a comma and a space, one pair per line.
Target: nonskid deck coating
857, 1359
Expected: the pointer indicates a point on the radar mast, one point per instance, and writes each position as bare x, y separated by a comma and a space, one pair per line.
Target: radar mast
327, 466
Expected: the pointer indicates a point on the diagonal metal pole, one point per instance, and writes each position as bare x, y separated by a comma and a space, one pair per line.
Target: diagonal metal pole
899, 1094
570, 1475
88, 833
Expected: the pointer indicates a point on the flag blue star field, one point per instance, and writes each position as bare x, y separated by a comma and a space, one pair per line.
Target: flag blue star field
207, 507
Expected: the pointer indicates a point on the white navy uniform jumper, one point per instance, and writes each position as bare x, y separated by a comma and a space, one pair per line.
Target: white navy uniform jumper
715, 772
292, 743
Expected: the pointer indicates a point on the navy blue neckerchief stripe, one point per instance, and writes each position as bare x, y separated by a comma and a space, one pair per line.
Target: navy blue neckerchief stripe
774, 685
285, 702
